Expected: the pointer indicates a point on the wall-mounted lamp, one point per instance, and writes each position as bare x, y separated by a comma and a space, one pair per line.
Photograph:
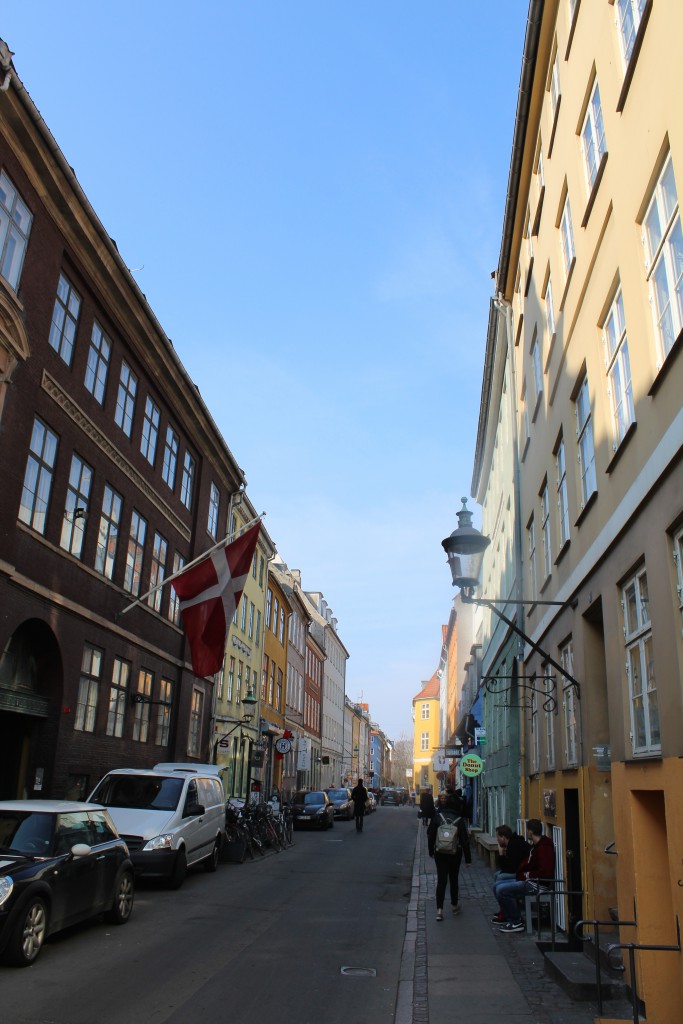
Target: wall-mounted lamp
465, 551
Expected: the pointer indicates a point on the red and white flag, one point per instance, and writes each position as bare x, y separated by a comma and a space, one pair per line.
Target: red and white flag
209, 595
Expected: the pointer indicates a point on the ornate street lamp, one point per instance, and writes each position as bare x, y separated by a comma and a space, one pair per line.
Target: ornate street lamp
465, 550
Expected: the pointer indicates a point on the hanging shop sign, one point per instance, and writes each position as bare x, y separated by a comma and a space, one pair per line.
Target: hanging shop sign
471, 765
282, 745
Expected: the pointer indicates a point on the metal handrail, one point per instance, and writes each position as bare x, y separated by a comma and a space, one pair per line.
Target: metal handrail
632, 947
578, 931
550, 889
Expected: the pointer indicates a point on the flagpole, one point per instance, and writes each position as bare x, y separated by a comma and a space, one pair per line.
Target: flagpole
200, 558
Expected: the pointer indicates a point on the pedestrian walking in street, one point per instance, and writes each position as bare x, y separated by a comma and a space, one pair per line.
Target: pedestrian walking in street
447, 841
359, 795
426, 807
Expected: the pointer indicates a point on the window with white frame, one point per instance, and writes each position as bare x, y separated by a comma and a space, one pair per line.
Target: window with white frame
549, 705
549, 309
158, 571
243, 625
187, 481
531, 548
257, 633
424, 741
150, 431
252, 612
528, 235
64, 319
618, 366
629, 15
535, 737
108, 536
567, 237
554, 85
214, 506
174, 600
118, 697
125, 399
40, 464
231, 679
98, 363
663, 240
538, 372
562, 498
570, 706
545, 532
163, 729
678, 561
640, 667
168, 469
586, 447
424, 711
593, 142
15, 228
143, 707
76, 507
88, 689
136, 547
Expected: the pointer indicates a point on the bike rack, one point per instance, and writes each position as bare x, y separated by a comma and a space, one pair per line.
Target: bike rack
595, 939
632, 947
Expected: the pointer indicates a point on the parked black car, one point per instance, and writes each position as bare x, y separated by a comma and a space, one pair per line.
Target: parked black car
342, 803
390, 796
312, 809
61, 862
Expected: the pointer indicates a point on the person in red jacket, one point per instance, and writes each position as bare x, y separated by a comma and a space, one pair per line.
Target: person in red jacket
538, 868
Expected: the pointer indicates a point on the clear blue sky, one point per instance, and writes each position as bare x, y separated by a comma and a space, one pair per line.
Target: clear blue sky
314, 190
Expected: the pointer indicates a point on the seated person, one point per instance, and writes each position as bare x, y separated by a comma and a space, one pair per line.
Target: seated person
512, 850
536, 868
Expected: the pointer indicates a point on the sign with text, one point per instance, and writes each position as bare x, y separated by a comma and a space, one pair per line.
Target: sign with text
471, 765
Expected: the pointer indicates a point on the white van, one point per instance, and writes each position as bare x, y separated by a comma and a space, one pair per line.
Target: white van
168, 819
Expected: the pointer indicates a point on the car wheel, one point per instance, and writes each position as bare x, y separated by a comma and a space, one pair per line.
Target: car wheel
28, 935
211, 862
124, 894
179, 869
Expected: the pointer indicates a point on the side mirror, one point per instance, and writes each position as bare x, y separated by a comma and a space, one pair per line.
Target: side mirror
80, 850
194, 810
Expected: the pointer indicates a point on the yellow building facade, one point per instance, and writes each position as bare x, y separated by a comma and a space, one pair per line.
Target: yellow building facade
426, 735
589, 283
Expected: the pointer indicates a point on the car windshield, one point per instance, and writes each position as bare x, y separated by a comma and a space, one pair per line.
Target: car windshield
141, 792
337, 794
309, 798
26, 832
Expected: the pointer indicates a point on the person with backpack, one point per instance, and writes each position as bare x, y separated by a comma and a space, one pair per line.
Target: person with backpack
447, 840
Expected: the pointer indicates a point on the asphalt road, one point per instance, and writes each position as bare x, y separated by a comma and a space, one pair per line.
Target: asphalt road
258, 941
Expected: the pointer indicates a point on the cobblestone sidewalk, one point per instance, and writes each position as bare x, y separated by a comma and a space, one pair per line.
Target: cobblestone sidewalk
546, 1001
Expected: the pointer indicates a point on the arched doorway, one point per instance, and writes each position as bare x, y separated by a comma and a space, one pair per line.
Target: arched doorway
31, 682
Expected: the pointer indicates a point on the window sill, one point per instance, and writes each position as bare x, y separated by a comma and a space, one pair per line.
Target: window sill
551, 348
630, 70
537, 406
663, 370
525, 448
572, 29
586, 508
611, 466
527, 282
646, 755
594, 191
554, 127
563, 551
546, 583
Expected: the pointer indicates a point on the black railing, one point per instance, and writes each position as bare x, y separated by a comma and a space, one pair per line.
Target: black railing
595, 939
632, 947
549, 888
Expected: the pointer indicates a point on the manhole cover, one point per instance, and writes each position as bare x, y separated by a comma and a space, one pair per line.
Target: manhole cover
359, 972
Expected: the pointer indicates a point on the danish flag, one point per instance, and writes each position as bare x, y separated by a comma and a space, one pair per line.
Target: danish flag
210, 593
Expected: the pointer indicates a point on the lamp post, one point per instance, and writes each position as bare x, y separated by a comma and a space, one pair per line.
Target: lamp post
465, 551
